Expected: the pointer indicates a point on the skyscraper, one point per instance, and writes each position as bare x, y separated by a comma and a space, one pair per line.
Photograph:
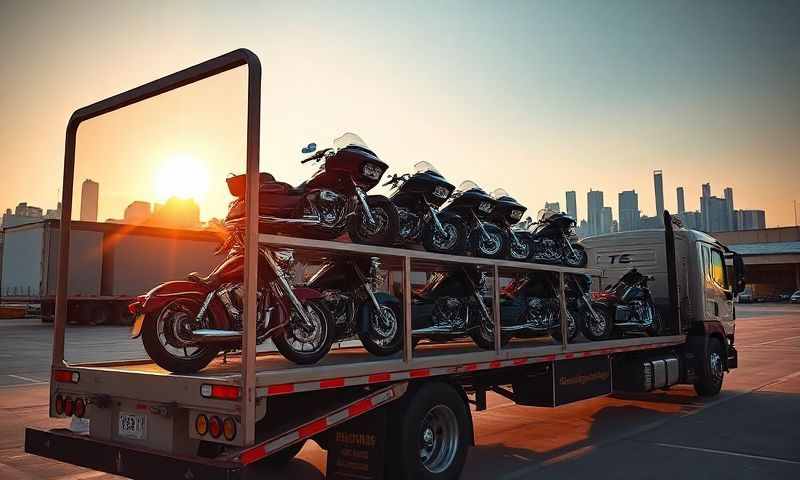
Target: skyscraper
552, 206
628, 208
594, 202
681, 204
572, 206
658, 183
704, 207
90, 194
606, 220
730, 213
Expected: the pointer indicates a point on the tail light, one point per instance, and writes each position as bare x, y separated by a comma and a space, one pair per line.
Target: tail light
66, 376
201, 424
222, 392
69, 407
136, 306
80, 407
229, 428
215, 427
59, 404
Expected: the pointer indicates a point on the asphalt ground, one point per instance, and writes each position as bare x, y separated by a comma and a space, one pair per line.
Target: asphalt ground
751, 430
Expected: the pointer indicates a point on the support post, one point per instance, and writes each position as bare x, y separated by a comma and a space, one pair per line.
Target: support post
564, 318
408, 346
496, 308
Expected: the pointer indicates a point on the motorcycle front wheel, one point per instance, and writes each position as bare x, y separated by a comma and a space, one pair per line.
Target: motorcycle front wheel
306, 344
484, 337
166, 338
492, 245
385, 227
576, 257
598, 327
384, 332
450, 239
521, 249
573, 328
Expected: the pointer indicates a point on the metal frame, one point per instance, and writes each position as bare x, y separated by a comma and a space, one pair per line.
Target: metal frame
201, 71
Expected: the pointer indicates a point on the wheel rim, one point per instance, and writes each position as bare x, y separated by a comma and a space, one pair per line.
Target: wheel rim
306, 340
491, 245
174, 329
384, 327
715, 365
598, 323
520, 250
447, 240
381, 218
438, 439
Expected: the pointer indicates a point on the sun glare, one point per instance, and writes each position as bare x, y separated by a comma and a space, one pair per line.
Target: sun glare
181, 176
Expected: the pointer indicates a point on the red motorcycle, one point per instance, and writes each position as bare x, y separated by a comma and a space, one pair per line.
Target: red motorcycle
185, 324
332, 201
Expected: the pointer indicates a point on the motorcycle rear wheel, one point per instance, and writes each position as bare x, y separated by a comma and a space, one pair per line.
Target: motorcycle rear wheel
289, 341
160, 339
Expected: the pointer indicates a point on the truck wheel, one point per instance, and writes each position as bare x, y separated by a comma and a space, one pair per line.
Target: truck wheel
712, 373
432, 434
283, 457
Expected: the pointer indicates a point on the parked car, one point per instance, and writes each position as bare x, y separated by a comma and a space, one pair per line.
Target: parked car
795, 297
745, 298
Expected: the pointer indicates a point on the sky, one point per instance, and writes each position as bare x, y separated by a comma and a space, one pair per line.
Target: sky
535, 97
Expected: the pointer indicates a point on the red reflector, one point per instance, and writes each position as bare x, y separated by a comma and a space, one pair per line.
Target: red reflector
215, 427
222, 392
59, 404
134, 308
68, 407
80, 407
66, 376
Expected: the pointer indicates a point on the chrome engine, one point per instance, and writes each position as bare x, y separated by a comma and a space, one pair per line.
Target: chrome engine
542, 313
410, 224
450, 312
329, 206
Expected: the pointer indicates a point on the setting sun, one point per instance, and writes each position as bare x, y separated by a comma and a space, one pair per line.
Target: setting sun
181, 176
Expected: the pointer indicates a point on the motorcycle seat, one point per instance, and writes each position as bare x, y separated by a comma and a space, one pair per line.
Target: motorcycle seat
211, 280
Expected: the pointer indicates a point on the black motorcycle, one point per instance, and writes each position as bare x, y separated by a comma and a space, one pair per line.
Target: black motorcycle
452, 305
418, 198
530, 305
553, 241
472, 206
358, 306
507, 213
331, 202
624, 307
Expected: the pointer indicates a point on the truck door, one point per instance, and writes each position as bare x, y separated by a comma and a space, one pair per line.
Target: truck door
718, 296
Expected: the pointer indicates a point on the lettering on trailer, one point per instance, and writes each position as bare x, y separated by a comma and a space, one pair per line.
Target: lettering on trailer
582, 378
356, 449
623, 258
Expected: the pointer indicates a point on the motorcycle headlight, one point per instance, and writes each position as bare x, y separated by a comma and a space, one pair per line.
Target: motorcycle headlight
372, 171
441, 192
516, 214
485, 207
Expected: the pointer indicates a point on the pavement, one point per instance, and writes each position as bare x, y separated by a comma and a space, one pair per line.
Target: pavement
749, 431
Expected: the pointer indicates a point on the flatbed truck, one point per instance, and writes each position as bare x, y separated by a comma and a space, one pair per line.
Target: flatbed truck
406, 416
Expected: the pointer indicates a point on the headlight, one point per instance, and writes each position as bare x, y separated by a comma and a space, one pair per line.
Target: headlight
516, 214
372, 171
485, 207
441, 192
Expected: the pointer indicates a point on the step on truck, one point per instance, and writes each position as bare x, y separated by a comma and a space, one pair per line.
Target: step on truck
407, 416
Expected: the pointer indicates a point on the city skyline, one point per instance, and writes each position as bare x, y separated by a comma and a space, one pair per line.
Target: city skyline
534, 98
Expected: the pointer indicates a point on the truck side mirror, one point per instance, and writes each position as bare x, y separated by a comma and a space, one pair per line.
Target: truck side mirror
738, 274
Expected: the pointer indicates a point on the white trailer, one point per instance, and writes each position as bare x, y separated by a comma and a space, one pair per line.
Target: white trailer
109, 265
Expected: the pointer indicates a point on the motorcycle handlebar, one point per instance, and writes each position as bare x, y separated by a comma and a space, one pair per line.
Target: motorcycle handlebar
316, 156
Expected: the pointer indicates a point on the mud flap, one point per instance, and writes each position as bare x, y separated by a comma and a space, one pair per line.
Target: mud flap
357, 449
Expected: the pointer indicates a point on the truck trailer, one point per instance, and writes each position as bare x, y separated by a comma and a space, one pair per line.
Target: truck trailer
111, 263
405, 416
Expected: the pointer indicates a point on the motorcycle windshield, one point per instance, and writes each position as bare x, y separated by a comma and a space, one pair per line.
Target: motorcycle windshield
545, 214
468, 185
425, 167
347, 140
499, 193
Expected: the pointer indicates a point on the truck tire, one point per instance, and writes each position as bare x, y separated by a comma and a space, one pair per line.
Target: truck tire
431, 436
713, 371
280, 459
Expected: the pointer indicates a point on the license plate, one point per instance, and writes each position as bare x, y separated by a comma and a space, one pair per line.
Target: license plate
132, 425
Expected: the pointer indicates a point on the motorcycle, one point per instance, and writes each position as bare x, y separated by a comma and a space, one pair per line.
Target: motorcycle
624, 307
452, 305
505, 215
553, 241
418, 198
530, 306
185, 324
357, 305
472, 206
333, 200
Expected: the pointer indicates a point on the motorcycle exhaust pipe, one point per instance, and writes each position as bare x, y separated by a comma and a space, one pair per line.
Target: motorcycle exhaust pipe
436, 331
288, 221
